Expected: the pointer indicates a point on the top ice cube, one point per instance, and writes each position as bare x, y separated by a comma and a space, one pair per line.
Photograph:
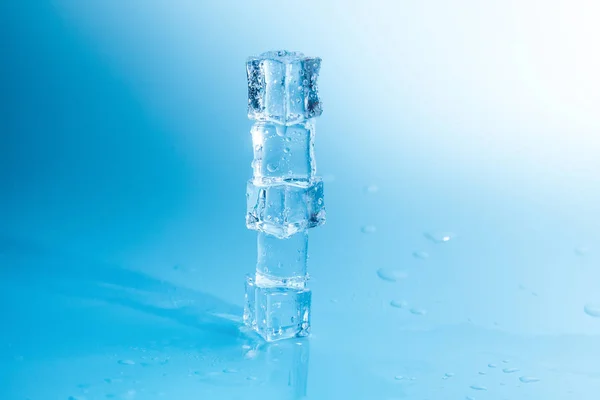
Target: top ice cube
282, 87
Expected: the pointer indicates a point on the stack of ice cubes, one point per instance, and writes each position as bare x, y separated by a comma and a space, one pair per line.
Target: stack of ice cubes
284, 197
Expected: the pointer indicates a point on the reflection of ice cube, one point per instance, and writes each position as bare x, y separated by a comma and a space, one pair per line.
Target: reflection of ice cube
282, 261
283, 209
283, 153
277, 312
282, 87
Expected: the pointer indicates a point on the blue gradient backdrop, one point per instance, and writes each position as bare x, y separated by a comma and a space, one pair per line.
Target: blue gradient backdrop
124, 152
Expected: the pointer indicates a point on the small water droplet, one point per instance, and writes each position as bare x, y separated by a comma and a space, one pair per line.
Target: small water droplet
492, 366
582, 251
440, 237
271, 167
418, 311
478, 387
286, 150
398, 303
528, 379
505, 361
398, 377
469, 398
448, 375
510, 370
593, 310
422, 255
126, 362
280, 130
482, 373
251, 354
371, 189
230, 371
251, 378
368, 229
305, 82
391, 275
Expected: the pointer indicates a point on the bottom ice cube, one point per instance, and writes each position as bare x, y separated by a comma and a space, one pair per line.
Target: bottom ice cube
277, 312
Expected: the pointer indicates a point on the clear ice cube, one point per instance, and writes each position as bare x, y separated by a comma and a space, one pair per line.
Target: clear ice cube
283, 153
282, 87
282, 262
283, 209
277, 312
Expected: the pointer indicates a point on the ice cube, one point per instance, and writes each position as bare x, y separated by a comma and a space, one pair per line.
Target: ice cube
283, 153
282, 87
283, 209
282, 262
277, 312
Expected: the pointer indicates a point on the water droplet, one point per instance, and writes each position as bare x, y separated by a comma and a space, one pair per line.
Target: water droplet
422, 255
368, 229
286, 150
448, 375
230, 371
251, 378
582, 251
398, 377
482, 373
528, 379
391, 275
371, 189
76, 398
418, 311
271, 167
440, 237
469, 398
251, 354
593, 310
492, 366
505, 361
478, 387
280, 130
510, 370
398, 303
126, 362
305, 82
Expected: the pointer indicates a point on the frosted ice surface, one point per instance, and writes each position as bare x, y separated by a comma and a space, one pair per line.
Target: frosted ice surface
282, 87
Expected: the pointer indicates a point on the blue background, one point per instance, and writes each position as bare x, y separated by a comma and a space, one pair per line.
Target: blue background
124, 152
